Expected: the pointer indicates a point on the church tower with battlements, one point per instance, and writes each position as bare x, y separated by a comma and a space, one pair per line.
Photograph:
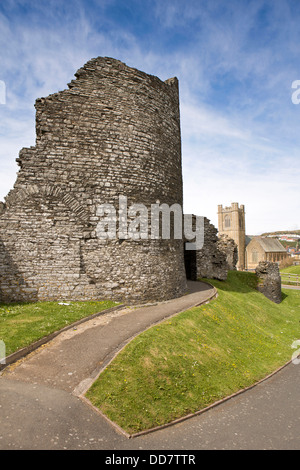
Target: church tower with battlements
231, 222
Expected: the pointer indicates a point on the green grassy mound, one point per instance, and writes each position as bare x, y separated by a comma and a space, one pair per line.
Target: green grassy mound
199, 356
24, 323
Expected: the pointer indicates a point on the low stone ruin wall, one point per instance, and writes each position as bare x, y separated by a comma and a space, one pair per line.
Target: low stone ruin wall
210, 261
269, 280
228, 246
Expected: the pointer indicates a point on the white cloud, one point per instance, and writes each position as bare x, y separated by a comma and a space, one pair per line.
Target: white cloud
198, 120
245, 151
211, 182
224, 163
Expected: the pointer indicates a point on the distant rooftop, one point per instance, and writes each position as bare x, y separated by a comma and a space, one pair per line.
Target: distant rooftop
270, 245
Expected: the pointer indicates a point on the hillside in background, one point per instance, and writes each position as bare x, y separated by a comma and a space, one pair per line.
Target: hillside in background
282, 232
287, 243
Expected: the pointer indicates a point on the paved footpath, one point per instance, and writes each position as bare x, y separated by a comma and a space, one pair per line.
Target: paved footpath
40, 406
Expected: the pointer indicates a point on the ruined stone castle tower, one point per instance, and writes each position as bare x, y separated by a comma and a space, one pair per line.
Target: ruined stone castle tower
115, 131
231, 222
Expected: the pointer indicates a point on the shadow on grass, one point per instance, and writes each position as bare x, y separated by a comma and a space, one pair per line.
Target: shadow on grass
237, 281
16, 304
241, 282
283, 295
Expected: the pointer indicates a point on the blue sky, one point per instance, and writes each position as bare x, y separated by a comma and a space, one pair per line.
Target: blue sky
235, 61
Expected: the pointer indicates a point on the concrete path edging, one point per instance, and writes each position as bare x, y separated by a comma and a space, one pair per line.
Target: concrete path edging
22, 353
70, 360
82, 396
207, 408
39, 409
81, 390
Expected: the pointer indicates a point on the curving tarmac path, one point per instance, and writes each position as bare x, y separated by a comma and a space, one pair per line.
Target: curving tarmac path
40, 406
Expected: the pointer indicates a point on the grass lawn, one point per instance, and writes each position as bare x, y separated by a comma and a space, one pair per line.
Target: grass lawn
199, 356
290, 270
23, 323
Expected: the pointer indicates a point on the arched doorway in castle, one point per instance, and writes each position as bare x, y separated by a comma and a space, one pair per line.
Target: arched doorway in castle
190, 263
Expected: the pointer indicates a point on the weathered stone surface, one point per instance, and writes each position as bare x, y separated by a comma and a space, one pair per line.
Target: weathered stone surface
269, 280
208, 262
115, 131
211, 262
228, 246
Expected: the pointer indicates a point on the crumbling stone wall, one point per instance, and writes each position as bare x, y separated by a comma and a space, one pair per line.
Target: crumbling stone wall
208, 262
115, 131
211, 261
228, 246
269, 280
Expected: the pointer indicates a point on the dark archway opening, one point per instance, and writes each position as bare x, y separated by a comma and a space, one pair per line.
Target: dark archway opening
190, 263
